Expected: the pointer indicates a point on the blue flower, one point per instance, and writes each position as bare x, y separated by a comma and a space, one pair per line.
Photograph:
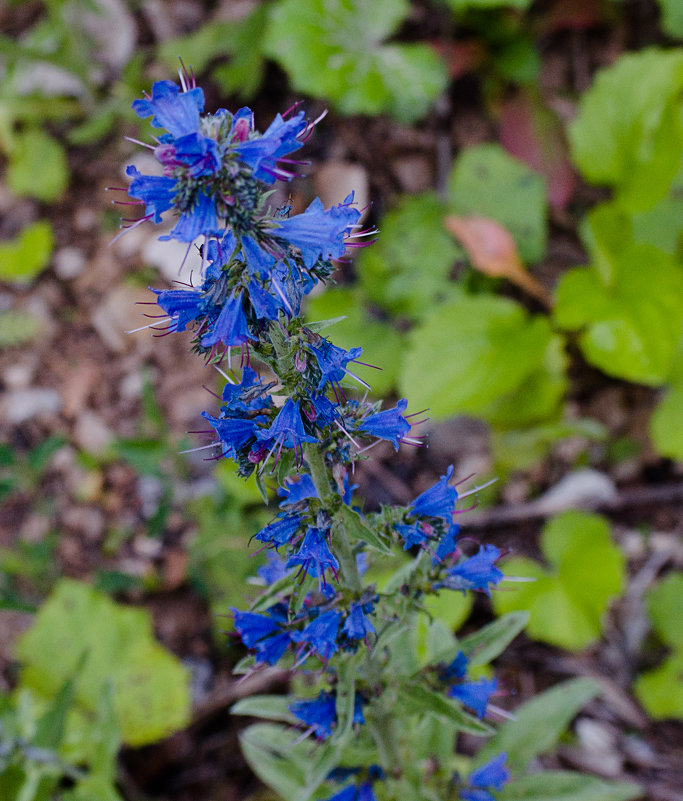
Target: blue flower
263, 151
447, 544
475, 694
492, 775
389, 424
298, 490
230, 327
332, 361
320, 714
437, 501
263, 633
156, 191
287, 430
198, 153
361, 792
357, 624
183, 306
413, 533
457, 668
321, 410
280, 531
317, 233
233, 432
273, 570
198, 218
247, 396
314, 555
321, 633
475, 573
178, 112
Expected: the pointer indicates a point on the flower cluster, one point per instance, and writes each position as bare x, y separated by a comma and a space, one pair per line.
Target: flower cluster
289, 410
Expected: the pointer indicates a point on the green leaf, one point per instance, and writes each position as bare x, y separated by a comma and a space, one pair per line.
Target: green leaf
407, 271
382, 345
628, 133
50, 727
487, 182
151, 694
244, 74
462, 5
272, 755
520, 449
37, 166
18, 328
418, 700
539, 724
198, 48
666, 423
487, 347
662, 225
660, 690
357, 530
27, 255
665, 608
490, 641
567, 786
271, 707
672, 17
631, 323
566, 604
336, 50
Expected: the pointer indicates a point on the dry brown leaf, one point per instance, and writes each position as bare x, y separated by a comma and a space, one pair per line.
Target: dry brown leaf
493, 250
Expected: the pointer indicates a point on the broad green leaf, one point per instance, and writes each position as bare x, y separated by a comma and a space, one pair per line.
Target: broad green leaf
666, 423
486, 181
271, 707
567, 602
660, 690
567, 786
628, 133
37, 166
28, 254
407, 270
271, 753
539, 724
335, 49
490, 641
462, 5
485, 347
662, 225
198, 48
357, 530
418, 700
631, 325
244, 74
672, 17
18, 328
522, 448
665, 608
382, 345
151, 694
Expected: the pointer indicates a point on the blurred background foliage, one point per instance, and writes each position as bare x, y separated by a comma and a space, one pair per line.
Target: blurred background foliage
530, 274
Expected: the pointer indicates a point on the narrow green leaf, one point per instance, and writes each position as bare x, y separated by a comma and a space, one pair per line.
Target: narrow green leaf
488, 642
268, 750
567, 786
270, 707
357, 530
419, 699
539, 723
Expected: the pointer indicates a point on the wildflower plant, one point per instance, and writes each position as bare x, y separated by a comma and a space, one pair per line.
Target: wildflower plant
379, 715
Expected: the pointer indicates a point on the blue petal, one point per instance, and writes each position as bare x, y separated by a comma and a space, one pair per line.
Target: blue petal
178, 112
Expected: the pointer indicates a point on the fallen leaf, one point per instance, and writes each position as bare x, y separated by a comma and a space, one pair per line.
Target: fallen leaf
493, 250
532, 132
